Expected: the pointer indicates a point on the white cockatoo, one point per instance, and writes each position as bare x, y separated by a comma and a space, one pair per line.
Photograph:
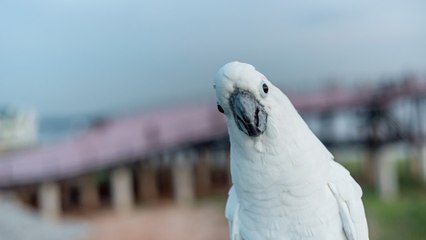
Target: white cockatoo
286, 184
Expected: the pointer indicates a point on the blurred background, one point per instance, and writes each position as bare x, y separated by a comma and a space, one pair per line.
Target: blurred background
109, 127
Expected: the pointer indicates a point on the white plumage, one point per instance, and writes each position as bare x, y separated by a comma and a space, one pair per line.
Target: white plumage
286, 184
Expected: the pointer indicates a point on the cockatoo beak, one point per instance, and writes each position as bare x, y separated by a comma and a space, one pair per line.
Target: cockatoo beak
249, 114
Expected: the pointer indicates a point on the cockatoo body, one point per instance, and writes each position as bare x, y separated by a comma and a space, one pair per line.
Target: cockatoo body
286, 185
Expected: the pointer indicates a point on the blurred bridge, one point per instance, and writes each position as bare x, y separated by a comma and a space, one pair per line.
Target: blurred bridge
182, 152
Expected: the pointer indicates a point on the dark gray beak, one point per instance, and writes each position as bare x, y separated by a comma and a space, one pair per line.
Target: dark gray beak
249, 114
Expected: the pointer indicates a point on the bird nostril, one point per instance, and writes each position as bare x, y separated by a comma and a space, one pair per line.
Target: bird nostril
256, 117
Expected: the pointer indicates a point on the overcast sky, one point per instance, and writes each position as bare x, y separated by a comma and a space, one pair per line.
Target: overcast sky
76, 56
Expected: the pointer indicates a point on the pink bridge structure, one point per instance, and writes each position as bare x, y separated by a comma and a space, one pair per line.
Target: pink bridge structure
182, 152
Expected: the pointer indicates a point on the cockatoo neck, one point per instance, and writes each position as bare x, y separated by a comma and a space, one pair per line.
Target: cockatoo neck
284, 154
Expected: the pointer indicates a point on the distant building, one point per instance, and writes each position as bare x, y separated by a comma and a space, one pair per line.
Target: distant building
18, 128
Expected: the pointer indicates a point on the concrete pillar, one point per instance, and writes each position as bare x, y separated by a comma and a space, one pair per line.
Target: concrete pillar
89, 196
49, 200
147, 178
122, 189
202, 171
387, 175
183, 179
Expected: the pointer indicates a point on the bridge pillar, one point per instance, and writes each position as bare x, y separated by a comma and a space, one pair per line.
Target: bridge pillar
203, 171
183, 179
387, 174
49, 200
89, 192
122, 190
147, 179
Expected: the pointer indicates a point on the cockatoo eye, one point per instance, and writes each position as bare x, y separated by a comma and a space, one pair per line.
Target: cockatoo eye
220, 108
265, 88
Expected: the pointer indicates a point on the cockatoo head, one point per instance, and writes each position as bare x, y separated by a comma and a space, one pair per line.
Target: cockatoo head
241, 93
252, 105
